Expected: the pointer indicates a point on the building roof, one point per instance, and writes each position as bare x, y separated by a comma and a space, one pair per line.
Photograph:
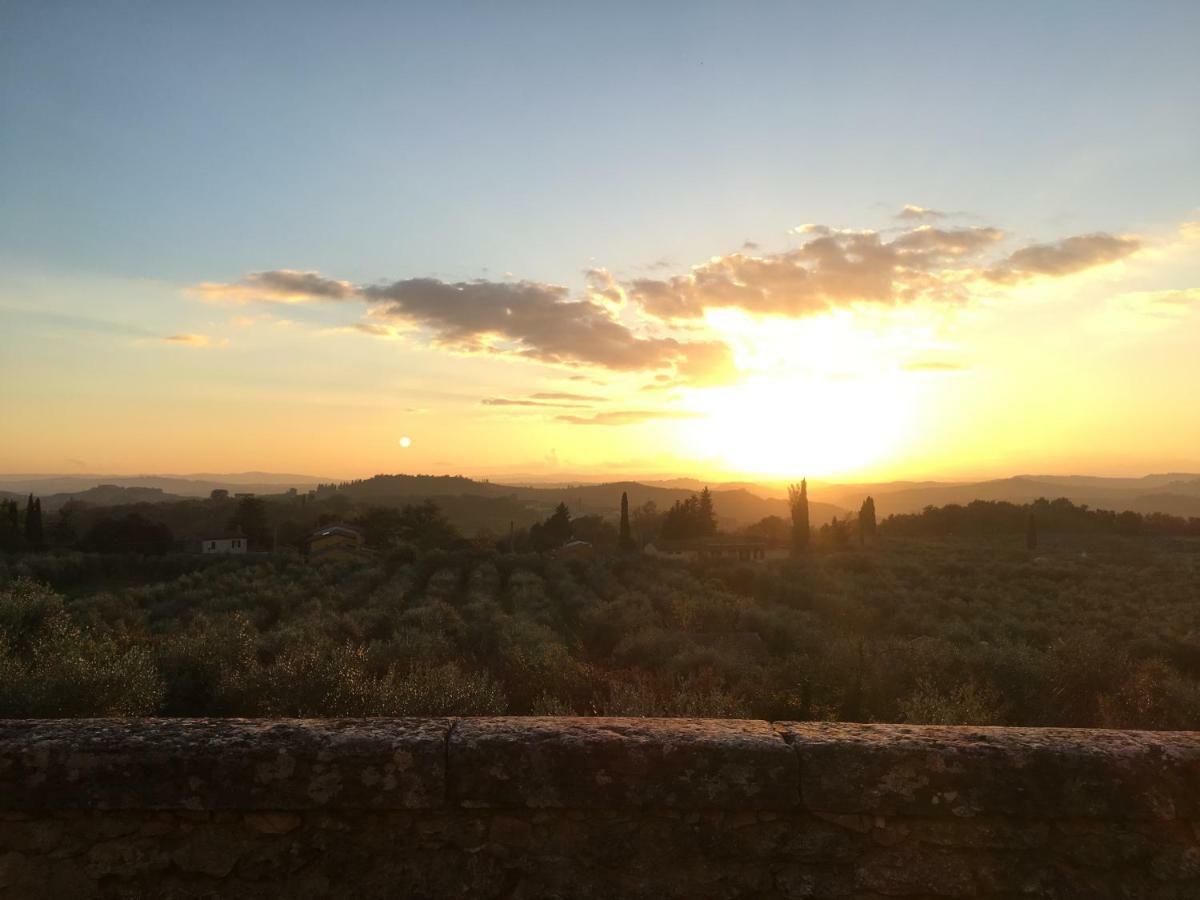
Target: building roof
223, 536
343, 530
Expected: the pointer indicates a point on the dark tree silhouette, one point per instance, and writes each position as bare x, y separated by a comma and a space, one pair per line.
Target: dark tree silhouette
625, 539
10, 526
866, 520
706, 514
62, 531
250, 518
35, 534
554, 532
133, 533
1031, 533
798, 501
694, 517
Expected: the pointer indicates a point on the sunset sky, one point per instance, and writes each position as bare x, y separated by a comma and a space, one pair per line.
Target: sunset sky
853, 241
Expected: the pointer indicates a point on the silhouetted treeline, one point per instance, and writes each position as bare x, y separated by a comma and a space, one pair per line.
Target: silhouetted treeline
995, 517
691, 518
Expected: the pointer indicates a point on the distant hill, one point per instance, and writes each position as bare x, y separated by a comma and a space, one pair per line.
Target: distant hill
179, 485
738, 503
1169, 493
734, 507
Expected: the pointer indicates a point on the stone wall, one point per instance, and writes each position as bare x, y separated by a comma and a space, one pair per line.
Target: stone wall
612, 808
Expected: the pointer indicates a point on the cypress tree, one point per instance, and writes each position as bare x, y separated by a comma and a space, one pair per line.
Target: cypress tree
866, 520
626, 537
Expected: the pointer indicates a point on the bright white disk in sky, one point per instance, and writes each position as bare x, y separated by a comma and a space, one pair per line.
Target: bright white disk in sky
406, 441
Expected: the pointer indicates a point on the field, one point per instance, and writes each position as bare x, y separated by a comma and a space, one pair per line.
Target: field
1085, 631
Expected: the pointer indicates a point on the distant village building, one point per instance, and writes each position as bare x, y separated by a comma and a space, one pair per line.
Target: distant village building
336, 542
219, 494
223, 543
733, 549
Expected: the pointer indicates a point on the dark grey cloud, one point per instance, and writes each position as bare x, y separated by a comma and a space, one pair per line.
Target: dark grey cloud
525, 318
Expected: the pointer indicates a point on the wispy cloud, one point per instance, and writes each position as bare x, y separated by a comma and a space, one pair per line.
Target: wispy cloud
627, 417
530, 401
189, 340
912, 212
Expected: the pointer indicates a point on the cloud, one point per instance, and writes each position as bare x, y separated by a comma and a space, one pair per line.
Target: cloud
911, 212
531, 320
642, 325
627, 417
838, 268
189, 340
530, 401
1065, 257
525, 319
567, 395
833, 268
277, 286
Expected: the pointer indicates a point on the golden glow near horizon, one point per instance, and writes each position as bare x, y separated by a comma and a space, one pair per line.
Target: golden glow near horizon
1091, 373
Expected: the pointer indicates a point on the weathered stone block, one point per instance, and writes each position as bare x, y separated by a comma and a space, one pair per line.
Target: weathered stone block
214, 764
630, 763
1046, 773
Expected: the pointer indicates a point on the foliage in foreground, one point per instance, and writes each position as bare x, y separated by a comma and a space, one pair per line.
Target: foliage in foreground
1095, 631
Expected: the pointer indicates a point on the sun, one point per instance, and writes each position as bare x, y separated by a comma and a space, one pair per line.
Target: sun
406, 442
823, 397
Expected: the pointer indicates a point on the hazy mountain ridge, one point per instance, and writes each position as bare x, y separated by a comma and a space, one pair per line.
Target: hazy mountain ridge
738, 503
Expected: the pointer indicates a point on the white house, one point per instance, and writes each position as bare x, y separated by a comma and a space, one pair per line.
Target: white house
223, 543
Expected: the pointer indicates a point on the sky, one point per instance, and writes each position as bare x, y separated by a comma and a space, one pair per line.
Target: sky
854, 241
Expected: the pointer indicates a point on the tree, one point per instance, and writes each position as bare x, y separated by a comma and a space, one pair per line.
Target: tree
554, 532
11, 538
798, 501
705, 514
1031, 534
866, 520
625, 538
425, 525
250, 518
690, 518
62, 532
647, 522
34, 533
133, 533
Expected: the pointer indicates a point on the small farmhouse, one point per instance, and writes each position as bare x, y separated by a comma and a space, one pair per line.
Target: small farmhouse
733, 549
223, 543
335, 542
